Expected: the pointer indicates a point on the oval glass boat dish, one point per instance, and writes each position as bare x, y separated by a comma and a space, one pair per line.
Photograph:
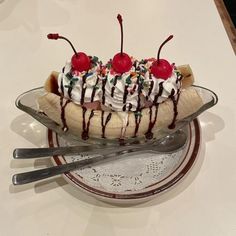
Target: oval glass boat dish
27, 102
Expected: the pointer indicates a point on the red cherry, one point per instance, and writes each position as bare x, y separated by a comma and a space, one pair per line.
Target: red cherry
121, 62
161, 68
80, 61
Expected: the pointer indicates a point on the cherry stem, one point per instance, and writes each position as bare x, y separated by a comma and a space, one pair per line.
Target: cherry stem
159, 51
119, 18
57, 36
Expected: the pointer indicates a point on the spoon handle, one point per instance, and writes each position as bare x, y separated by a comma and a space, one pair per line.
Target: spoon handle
32, 176
28, 153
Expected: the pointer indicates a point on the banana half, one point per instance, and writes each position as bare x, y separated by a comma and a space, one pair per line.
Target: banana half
87, 123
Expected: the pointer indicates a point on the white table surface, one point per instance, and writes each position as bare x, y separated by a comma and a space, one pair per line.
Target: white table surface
204, 203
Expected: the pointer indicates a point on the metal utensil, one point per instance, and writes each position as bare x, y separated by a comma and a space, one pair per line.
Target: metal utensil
170, 144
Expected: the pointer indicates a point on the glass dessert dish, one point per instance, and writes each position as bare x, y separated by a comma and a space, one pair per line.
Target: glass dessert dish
27, 102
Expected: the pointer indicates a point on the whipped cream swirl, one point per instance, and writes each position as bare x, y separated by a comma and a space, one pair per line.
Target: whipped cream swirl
157, 90
81, 87
123, 91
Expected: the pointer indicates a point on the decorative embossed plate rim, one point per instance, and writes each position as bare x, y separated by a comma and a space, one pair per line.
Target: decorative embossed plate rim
150, 191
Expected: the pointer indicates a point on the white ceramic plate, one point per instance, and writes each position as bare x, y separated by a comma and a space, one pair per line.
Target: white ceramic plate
132, 178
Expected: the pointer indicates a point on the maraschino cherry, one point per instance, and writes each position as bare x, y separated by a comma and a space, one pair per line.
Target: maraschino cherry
80, 61
121, 62
161, 68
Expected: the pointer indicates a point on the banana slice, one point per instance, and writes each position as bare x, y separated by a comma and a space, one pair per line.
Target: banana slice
51, 83
187, 74
109, 124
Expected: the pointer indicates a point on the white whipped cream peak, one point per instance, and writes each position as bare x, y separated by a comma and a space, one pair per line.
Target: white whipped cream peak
121, 90
80, 87
158, 90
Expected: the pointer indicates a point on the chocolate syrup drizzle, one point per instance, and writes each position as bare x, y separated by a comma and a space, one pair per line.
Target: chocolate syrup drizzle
84, 121
159, 94
106, 122
125, 107
137, 122
94, 90
125, 97
85, 133
103, 89
114, 85
62, 87
149, 134
138, 109
175, 101
63, 118
140, 86
151, 87
130, 106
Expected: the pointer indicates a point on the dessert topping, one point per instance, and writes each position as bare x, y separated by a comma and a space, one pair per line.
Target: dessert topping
81, 87
121, 62
161, 68
80, 61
